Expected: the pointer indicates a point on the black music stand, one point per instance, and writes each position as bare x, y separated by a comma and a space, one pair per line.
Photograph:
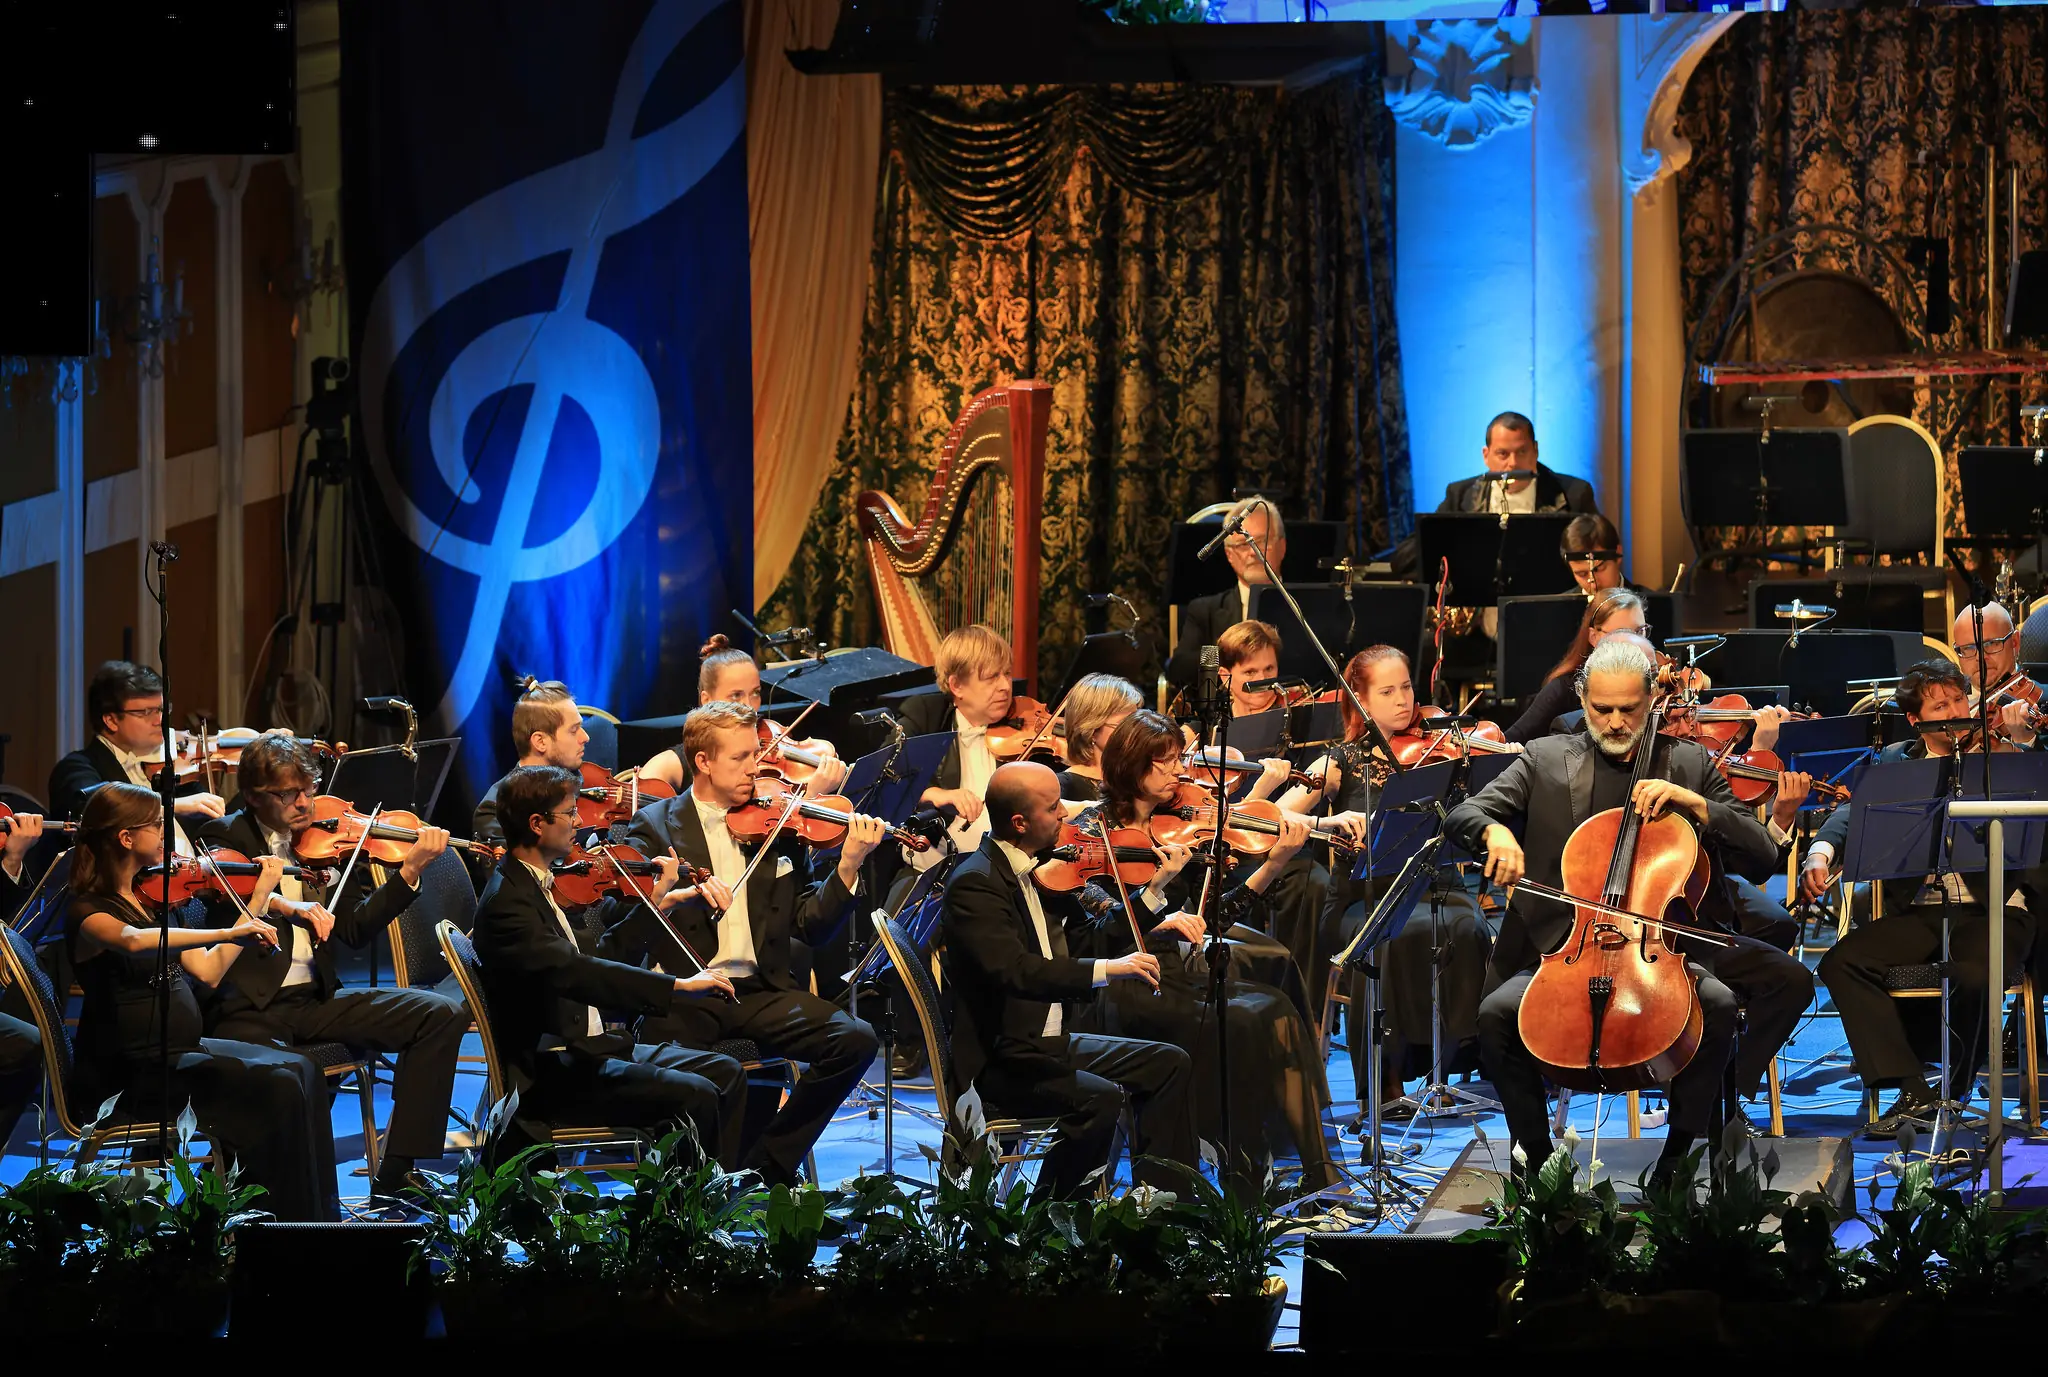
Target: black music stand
1817, 670
1863, 598
887, 783
1188, 576
1375, 614
1828, 748
1531, 637
386, 777
2005, 491
1122, 653
1493, 557
1763, 478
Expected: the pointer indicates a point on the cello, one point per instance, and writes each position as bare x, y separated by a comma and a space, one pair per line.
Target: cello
1616, 1007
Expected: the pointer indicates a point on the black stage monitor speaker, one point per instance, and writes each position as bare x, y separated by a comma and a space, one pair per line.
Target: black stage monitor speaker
1446, 1290
850, 679
267, 1290
1309, 544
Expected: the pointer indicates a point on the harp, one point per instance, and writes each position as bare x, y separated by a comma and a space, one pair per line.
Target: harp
973, 554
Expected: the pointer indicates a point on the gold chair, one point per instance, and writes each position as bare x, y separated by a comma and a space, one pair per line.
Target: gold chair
1923, 981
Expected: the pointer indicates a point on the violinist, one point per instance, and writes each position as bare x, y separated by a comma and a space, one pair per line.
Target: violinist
726, 674
1910, 930
547, 729
1097, 706
973, 673
545, 994
126, 703
1381, 678
1013, 978
1276, 1072
1521, 823
1996, 663
265, 1105
744, 932
289, 995
1203, 620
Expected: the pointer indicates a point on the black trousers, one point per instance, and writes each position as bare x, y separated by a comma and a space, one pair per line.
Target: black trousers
1157, 1076
423, 1028
1854, 967
1760, 916
654, 1090
1772, 986
835, 1047
266, 1107
21, 1071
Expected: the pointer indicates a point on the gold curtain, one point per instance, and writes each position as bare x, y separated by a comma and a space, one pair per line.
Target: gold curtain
813, 145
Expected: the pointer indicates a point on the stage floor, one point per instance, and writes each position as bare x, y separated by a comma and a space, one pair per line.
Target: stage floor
1822, 1108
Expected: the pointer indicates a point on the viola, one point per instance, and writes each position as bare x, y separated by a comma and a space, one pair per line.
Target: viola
1615, 1007
2014, 688
1028, 728
604, 798
7, 827
207, 753
794, 759
1251, 828
584, 877
1204, 762
219, 871
337, 828
1720, 720
1753, 777
1081, 855
819, 821
1423, 743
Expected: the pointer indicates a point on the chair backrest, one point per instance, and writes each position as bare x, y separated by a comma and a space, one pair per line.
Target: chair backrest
461, 956
41, 915
1893, 467
924, 997
446, 894
18, 960
603, 746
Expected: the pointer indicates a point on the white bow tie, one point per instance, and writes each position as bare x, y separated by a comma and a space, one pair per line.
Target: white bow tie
970, 735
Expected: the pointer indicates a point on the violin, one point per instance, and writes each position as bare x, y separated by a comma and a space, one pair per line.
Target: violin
1029, 727
604, 798
1251, 828
782, 753
584, 877
1080, 855
1753, 777
209, 753
6, 827
2014, 688
337, 828
1615, 1007
1720, 720
219, 871
1421, 743
819, 821
1205, 762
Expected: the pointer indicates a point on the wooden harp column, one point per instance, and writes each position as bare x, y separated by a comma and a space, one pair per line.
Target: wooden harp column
973, 553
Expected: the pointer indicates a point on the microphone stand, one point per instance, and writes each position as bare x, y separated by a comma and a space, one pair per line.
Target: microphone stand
1214, 702
166, 555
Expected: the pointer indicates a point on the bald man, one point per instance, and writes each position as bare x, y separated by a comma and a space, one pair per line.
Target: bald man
1006, 956
1992, 662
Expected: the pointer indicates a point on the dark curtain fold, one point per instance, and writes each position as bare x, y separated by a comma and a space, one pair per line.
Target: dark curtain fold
1204, 277
1878, 121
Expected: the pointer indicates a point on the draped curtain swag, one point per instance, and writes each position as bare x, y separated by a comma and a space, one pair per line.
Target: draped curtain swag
1202, 274
813, 143
1826, 116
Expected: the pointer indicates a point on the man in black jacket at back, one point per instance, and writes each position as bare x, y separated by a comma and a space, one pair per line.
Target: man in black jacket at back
1011, 976
289, 995
543, 997
1205, 618
125, 703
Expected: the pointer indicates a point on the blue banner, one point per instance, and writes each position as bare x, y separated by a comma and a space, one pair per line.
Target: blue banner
546, 237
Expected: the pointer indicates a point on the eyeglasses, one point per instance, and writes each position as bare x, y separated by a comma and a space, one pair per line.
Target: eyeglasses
1969, 652
290, 794
566, 816
155, 714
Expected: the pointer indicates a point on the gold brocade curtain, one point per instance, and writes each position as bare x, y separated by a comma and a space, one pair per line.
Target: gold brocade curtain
1825, 117
1203, 276
812, 146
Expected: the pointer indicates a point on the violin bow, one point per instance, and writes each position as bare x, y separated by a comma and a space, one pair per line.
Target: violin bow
1123, 894
604, 849
1543, 891
1040, 735
205, 858
775, 747
341, 885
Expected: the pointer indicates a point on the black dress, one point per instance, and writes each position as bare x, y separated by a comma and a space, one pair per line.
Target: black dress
267, 1106
1405, 966
1277, 1088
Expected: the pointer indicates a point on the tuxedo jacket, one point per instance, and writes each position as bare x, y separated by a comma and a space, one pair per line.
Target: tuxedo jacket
1003, 986
1547, 791
359, 915
926, 715
782, 900
539, 989
1555, 492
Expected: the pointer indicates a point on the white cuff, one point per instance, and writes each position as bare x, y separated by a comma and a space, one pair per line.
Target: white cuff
1820, 849
1779, 836
1101, 973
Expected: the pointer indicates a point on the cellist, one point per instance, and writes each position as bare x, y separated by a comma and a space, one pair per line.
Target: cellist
1521, 823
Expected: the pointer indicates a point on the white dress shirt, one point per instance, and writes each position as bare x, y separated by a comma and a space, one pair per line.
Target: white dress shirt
291, 889
1244, 601
138, 773
735, 955
593, 1026
1022, 862
977, 763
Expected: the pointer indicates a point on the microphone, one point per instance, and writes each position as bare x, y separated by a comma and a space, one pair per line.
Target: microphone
1681, 642
874, 717
1098, 599
1797, 611
1508, 476
387, 703
1277, 681
164, 550
1230, 528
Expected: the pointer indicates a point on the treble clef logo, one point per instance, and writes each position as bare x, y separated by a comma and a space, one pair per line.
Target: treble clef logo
560, 353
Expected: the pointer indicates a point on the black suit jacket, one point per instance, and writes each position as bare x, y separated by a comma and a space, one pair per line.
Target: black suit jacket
1003, 987
928, 714
1555, 492
1548, 791
359, 915
782, 901
539, 988
74, 778
1201, 622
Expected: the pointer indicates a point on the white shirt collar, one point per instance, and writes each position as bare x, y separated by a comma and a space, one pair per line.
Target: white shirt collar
1020, 860
124, 759
273, 839
707, 813
545, 879
968, 731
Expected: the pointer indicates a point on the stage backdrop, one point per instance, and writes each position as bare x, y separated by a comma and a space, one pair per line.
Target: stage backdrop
1203, 275
547, 261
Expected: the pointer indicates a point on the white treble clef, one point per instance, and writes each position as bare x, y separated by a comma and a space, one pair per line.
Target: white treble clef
562, 352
